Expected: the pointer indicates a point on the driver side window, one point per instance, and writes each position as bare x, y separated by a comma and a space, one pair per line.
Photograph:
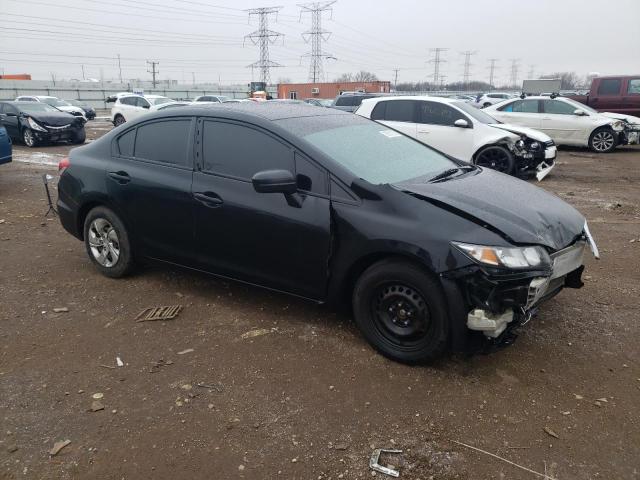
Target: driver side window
558, 108
439, 114
141, 102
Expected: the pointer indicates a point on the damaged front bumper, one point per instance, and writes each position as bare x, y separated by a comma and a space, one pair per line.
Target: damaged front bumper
630, 135
498, 301
533, 157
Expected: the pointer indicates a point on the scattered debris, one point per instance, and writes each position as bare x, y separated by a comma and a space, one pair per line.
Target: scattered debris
119, 362
188, 350
219, 387
1, 221
374, 465
578, 397
603, 399
159, 313
58, 446
60, 310
97, 396
108, 366
340, 446
12, 448
255, 333
159, 364
96, 406
581, 155
551, 432
545, 476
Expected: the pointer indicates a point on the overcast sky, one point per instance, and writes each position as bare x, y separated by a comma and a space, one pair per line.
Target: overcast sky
205, 39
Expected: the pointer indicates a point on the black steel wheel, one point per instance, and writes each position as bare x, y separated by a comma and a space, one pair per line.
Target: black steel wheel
496, 158
400, 309
119, 120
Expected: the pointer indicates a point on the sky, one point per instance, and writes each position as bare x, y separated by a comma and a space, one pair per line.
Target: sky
205, 40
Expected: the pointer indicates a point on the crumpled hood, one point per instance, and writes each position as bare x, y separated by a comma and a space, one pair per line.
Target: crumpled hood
518, 130
619, 116
53, 118
523, 213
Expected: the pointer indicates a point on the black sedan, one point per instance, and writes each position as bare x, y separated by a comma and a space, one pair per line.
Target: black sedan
431, 253
35, 122
89, 111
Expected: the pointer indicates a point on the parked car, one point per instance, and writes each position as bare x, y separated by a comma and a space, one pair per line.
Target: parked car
431, 252
619, 94
348, 102
319, 102
466, 133
89, 111
164, 106
212, 98
569, 122
130, 107
54, 102
487, 99
5, 145
35, 123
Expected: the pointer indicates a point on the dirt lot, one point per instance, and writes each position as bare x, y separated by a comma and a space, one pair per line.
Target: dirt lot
307, 398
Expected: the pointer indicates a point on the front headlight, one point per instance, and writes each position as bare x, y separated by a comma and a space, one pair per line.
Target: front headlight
618, 126
509, 257
35, 126
534, 146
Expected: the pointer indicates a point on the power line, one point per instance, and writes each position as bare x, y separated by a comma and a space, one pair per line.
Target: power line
492, 70
263, 37
437, 60
316, 35
154, 72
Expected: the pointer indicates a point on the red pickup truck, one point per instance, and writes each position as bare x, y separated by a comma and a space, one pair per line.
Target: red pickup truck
617, 94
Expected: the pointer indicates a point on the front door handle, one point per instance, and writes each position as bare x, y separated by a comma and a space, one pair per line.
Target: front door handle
120, 177
209, 199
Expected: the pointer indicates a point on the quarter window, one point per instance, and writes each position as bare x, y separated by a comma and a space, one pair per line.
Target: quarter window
609, 86
634, 86
241, 151
310, 177
558, 108
125, 143
165, 142
434, 113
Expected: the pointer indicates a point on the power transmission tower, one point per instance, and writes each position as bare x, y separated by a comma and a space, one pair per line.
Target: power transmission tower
395, 82
264, 37
515, 67
119, 68
532, 71
316, 36
154, 71
492, 70
437, 60
467, 66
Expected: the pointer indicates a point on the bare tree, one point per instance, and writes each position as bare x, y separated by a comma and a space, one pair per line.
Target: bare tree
344, 78
364, 76
284, 80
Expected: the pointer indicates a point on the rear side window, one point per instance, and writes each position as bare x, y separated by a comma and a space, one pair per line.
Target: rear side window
345, 101
634, 86
558, 108
141, 102
521, 106
128, 100
164, 142
241, 151
609, 86
125, 143
434, 113
400, 111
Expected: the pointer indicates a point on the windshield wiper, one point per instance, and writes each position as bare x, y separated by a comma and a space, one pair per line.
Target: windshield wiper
450, 172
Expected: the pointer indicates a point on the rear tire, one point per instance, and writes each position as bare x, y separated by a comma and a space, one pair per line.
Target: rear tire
107, 243
400, 310
603, 140
118, 120
496, 158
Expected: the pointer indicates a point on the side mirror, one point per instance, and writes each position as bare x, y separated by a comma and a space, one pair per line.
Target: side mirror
580, 113
146, 106
462, 123
275, 181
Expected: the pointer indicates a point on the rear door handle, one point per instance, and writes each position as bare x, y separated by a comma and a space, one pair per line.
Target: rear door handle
209, 199
120, 177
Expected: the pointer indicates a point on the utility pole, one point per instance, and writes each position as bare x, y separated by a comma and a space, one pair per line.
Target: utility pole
532, 71
53, 79
467, 66
119, 69
263, 37
83, 72
437, 60
395, 82
193, 78
154, 72
316, 36
513, 79
492, 70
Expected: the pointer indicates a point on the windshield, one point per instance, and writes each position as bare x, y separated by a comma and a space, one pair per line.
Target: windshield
37, 107
477, 114
377, 154
55, 102
159, 101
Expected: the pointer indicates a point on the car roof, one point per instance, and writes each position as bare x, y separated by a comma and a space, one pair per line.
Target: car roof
412, 97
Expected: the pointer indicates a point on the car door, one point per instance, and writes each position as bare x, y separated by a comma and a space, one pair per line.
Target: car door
398, 114
10, 120
631, 98
608, 96
149, 180
560, 122
525, 112
436, 127
261, 238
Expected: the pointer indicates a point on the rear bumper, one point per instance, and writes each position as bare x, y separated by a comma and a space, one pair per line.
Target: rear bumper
68, 216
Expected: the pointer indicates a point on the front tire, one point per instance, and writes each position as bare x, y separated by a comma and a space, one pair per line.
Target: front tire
29, 138
496, 158
400, 310
107, 243
79, 137
603, 140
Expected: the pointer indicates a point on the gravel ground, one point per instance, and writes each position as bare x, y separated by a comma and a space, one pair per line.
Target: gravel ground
291, 390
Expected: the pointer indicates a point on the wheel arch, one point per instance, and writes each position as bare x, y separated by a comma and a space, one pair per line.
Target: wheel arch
92, 203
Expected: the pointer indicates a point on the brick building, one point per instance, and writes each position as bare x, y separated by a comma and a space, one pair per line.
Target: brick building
300, 91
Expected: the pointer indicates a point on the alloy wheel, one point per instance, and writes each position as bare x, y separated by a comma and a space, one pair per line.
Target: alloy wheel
603, 141
400, 313
495, 159
104, 242
29, 138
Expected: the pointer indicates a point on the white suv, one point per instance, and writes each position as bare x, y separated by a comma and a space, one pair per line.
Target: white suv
54, 102
129, 107
464, 132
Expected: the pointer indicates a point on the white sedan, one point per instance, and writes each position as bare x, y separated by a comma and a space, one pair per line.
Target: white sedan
569, 122
464, 132
131, 106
